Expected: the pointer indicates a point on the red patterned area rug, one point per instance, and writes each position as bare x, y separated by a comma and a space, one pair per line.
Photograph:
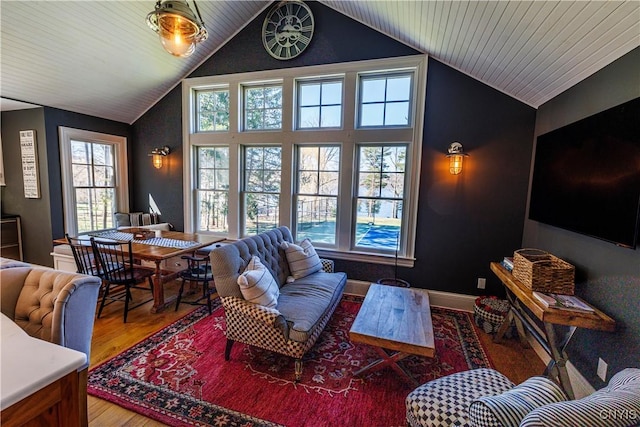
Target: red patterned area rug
178, 376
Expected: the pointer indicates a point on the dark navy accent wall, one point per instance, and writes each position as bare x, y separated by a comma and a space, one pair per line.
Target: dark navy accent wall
160, 126
466, 221
606, 275
336, 38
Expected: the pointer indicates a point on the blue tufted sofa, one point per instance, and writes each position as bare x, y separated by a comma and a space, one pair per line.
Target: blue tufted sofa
304, 306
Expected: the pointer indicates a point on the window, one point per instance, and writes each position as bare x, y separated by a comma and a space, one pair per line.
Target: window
385, 100
93, 172
331, 151
319, 104
381, 175
263, 168
213, 189
317, 184
212, 110
263, 107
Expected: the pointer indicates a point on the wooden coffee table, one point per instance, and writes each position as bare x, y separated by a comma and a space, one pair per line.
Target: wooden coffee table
397, 322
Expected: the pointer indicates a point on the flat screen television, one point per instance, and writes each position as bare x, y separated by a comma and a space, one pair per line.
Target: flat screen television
586, 176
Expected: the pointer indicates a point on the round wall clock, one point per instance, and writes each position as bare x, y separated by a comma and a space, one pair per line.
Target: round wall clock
287, 29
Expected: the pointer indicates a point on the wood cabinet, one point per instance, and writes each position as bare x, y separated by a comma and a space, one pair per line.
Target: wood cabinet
11, 238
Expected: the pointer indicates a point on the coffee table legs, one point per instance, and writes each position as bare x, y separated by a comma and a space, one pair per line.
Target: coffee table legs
390, 359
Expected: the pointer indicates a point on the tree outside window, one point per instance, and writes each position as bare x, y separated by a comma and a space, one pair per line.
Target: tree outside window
213, 189
381, 177
92, 166
263, 170
263, 107
318, 173
212, 110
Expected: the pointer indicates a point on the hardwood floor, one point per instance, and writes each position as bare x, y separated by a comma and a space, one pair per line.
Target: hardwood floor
111, 337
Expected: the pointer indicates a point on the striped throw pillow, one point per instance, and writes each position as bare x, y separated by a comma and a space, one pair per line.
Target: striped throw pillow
509, 408
616, 405
303, 259
258, 285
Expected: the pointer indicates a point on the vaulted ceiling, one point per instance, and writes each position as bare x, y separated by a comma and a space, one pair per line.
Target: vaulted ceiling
100, 58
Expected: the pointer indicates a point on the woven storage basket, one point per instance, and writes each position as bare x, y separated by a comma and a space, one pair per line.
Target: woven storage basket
540, 271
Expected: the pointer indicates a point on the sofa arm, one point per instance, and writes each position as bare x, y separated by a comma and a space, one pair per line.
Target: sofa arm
265, 315
328, 265
58, 307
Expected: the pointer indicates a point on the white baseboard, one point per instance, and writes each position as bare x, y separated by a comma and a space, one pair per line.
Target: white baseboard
581, 386
436, 298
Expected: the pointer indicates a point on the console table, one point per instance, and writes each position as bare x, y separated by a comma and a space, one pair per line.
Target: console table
520, 295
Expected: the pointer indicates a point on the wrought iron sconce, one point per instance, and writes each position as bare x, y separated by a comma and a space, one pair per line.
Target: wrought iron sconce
456, 156
157, 154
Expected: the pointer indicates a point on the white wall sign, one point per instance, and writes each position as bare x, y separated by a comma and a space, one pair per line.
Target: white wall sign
29, 152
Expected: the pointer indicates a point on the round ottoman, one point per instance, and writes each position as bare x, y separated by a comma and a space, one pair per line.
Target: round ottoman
489, 313
445, 401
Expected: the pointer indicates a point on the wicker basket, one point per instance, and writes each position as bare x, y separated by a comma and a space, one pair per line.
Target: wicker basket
540, 271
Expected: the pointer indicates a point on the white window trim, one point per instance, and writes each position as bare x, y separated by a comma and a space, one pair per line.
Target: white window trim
347, 136
121, 171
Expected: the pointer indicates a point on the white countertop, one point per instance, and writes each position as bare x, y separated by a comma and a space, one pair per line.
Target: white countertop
28, 364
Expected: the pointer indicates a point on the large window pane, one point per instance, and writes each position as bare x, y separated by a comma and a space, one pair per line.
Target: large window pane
318, 169
93, 179
263, 170
263, 107
213, 189
380, 198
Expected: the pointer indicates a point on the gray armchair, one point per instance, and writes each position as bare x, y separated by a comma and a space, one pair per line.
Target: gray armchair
54, 306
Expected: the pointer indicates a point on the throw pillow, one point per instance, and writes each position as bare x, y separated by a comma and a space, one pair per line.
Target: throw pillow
303, 259
509, 408
258, 285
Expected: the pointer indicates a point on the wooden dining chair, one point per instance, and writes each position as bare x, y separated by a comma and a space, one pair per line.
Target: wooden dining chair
119, 271
198, 270
83, 255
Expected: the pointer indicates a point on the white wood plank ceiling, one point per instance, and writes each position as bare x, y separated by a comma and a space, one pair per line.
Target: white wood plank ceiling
100, 58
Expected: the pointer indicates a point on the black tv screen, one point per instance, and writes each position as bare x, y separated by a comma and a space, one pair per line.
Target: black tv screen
586, 176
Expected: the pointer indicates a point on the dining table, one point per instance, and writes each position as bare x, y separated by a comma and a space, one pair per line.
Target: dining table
156, 250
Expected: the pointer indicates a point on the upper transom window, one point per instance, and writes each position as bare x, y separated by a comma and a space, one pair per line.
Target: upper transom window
385, 100
263, 107
212, 110
320, 104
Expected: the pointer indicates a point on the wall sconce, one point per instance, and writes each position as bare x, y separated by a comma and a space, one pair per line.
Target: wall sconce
456, 154
157, 154
178, 27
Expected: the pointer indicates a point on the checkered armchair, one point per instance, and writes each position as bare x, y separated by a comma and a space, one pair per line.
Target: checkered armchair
304, 306
486, 398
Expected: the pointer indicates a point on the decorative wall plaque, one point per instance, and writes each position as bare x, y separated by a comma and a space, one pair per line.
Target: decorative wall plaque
29, 151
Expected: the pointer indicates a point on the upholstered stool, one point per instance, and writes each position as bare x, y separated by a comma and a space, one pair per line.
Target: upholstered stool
489, 312
445, 401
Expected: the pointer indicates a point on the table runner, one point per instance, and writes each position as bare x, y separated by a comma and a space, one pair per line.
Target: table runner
155, 241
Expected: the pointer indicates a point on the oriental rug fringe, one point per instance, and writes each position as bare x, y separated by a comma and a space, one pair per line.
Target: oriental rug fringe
179, 377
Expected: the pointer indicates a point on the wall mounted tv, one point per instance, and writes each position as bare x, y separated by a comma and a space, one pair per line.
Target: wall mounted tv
586, 176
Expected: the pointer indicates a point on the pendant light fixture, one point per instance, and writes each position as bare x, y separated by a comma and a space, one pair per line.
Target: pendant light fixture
177, 26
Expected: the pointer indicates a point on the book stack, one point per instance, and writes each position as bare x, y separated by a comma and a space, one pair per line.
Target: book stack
562, 302
507, 263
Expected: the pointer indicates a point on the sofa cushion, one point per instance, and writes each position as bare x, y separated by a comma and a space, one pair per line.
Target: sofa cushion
509, 408
258, 285
302, 259
304, 302
616, 405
